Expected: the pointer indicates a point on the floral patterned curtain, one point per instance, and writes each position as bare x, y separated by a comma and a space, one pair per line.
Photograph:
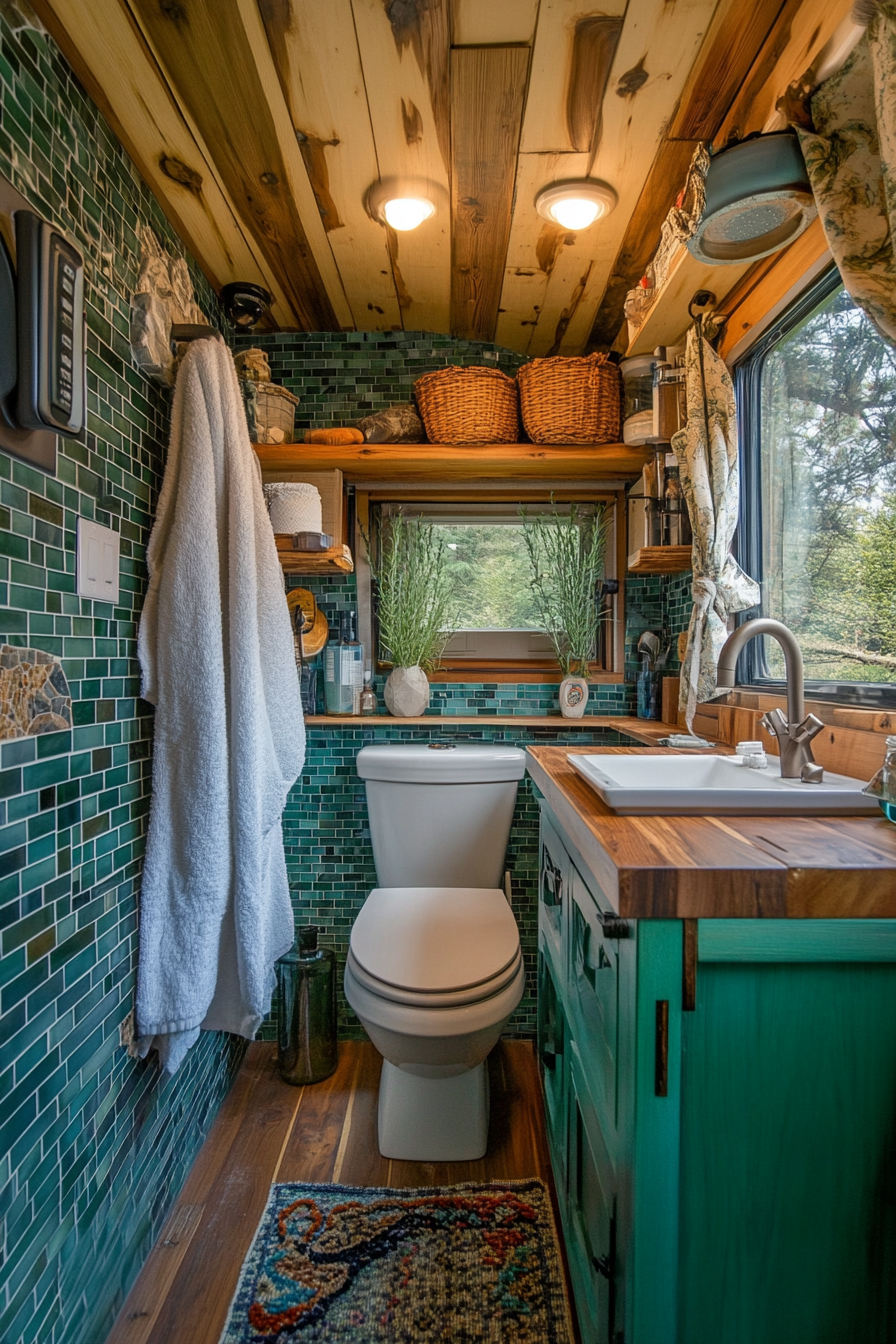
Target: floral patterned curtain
851, 160
707, 458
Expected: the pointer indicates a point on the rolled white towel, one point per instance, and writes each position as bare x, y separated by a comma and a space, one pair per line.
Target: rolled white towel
294, 506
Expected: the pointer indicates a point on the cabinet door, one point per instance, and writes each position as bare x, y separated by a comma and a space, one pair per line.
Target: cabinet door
553, 1048
552, 892
594, 996
591, 1219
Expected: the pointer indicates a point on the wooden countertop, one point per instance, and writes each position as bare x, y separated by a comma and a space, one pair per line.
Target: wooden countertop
722, 867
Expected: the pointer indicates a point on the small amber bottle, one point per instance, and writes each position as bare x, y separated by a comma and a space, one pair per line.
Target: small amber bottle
367, 703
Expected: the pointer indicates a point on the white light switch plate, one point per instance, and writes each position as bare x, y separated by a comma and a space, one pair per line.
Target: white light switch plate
98, 553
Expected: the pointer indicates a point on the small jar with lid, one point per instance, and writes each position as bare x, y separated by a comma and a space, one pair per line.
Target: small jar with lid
883, 785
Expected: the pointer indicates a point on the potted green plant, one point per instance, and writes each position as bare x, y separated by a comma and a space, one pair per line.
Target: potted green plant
566, 552
415, 609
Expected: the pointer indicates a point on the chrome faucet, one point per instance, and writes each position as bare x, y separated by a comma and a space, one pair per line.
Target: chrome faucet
795, 732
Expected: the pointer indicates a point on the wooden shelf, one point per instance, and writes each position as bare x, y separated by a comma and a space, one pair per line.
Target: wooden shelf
360, 461
337, 560
660, 560
667, 320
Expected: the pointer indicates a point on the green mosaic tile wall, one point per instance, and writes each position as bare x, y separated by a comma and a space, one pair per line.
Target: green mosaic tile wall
341, 376
93, 1147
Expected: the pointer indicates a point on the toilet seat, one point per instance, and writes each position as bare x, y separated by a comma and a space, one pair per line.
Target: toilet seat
435, 999
421, 944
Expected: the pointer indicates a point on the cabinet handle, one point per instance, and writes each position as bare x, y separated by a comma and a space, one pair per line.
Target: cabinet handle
551, 884
614, 926
661, 1057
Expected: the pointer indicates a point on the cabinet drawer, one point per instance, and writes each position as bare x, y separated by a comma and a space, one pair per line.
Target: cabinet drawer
591, 1220
594, 995
553, 1049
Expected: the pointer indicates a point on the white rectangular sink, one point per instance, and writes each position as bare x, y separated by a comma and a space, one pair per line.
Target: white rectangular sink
714, 785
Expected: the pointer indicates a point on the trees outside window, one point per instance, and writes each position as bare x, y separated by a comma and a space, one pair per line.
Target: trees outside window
827, 446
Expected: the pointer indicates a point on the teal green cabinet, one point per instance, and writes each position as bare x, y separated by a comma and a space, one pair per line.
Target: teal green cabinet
726, 1173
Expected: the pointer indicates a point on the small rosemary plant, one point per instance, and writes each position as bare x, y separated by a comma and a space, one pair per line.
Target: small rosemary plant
415, 596
566, 552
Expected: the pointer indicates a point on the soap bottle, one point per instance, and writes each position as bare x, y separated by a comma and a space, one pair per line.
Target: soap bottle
307, 1026
344, 669
367, 704
883, 785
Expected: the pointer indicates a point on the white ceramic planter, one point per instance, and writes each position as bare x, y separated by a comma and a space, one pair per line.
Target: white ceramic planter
573, 697
407, 692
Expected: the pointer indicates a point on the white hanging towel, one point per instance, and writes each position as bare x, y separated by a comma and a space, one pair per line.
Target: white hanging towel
217, 655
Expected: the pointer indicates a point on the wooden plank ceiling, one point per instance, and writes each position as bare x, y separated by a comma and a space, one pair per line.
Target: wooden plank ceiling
262, 124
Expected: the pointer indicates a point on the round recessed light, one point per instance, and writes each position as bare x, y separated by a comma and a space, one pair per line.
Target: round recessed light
575, 205
406, 212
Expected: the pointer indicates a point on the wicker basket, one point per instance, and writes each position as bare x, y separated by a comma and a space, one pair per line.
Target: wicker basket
571, 400
277, 411
472, 405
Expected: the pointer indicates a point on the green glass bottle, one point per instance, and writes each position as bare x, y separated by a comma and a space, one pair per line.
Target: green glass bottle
307, 1028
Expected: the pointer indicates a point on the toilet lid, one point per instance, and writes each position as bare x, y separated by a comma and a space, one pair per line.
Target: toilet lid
435, 939
421, 998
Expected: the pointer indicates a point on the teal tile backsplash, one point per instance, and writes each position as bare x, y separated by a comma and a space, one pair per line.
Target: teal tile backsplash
93, 1148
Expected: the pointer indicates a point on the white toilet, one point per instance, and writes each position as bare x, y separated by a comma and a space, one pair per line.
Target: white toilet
434, 968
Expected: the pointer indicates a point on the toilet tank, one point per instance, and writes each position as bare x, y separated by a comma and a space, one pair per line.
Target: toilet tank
440, 813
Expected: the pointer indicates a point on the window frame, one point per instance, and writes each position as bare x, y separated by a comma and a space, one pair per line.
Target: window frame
472, 668
752, 667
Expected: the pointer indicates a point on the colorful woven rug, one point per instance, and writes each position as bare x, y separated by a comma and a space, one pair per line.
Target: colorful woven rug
458, 1263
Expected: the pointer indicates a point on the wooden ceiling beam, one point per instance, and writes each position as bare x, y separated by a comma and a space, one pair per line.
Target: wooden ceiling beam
327, 104
724, 61
221, 72
488, 91
799, 33
500, 23
652, 61
732, 91
109, 56
405, 53
729, 49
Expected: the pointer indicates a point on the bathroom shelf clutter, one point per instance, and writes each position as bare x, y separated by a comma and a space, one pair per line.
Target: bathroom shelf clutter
361, 461
335, 560
660, 560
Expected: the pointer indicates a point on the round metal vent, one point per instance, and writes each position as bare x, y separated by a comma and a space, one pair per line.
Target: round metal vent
758, 199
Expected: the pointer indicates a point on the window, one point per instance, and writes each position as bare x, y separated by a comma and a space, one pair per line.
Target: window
817, 401
498, 629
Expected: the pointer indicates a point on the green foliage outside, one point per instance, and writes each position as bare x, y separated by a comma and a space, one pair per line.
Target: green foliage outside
489, 569
829, 494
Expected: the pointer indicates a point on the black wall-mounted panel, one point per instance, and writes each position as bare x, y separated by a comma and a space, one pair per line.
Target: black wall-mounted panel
50, 324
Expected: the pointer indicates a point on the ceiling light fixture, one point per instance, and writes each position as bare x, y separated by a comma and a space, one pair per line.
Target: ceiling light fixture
575, 205
402, 204
407, 212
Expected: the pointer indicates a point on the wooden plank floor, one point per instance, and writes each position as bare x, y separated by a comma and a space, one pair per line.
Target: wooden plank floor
267, 1131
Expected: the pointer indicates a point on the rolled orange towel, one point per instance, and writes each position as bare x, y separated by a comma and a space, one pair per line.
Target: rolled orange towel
334, 436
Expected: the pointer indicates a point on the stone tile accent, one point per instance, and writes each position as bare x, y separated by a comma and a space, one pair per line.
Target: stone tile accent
34, 695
